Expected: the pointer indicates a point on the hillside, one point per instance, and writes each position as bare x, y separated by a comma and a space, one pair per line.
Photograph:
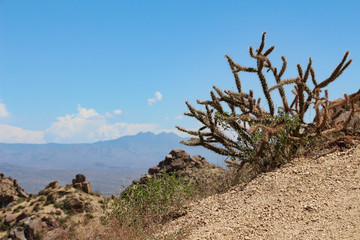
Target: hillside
309, 198
58, 210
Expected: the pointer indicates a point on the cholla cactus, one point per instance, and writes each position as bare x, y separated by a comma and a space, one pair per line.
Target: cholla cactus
259, 131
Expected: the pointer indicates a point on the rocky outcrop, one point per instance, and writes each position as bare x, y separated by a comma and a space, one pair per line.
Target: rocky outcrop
10, 191
79, 182
50, 211
178, 161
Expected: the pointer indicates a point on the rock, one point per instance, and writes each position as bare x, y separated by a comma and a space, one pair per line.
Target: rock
24, 214
177, 164
23, 194
53, 184
10, 191
10, 218
90, 208
49, 221
84, 186
1, 175
74, 204
79, 183
32, 226
79, 178
176, 160
153, 170
51, 197
199, 161
54, 234
18, 233
180, 153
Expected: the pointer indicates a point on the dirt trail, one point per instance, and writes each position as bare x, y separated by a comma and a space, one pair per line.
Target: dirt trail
305, 199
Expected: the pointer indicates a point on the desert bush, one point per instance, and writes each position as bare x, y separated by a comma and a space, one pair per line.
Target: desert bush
236, 125
142, 204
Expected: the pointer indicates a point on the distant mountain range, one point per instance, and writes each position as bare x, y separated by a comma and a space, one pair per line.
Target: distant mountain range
105, 162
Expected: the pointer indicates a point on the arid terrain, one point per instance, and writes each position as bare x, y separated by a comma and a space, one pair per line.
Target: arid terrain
309, 198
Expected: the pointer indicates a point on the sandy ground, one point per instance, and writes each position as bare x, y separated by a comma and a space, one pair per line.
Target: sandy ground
309, 198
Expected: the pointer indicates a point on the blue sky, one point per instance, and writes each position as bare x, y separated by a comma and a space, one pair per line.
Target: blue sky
84, 71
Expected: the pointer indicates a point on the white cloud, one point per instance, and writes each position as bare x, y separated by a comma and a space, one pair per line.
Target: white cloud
85, 126
157, 98
89, 126
87, 113
3, 112
11, 134
117, 112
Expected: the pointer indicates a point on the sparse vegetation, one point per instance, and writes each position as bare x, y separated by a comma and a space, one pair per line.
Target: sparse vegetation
97, 193
154, 201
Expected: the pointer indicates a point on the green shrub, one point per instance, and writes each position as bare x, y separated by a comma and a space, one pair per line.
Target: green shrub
152, 201
97, 193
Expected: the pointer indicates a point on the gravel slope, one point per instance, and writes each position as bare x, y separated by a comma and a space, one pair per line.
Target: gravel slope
305, 199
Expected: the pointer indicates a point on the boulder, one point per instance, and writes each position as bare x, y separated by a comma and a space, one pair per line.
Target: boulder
53, 184
10, 218
79, 178
177, 164
180, 153
198, 160
32, 226
84, 186
24, 214
153, 170
17, 233
51, 197
74, 204
10, 191
176, 160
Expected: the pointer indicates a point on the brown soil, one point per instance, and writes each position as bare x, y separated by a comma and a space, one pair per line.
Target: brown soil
309, 198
